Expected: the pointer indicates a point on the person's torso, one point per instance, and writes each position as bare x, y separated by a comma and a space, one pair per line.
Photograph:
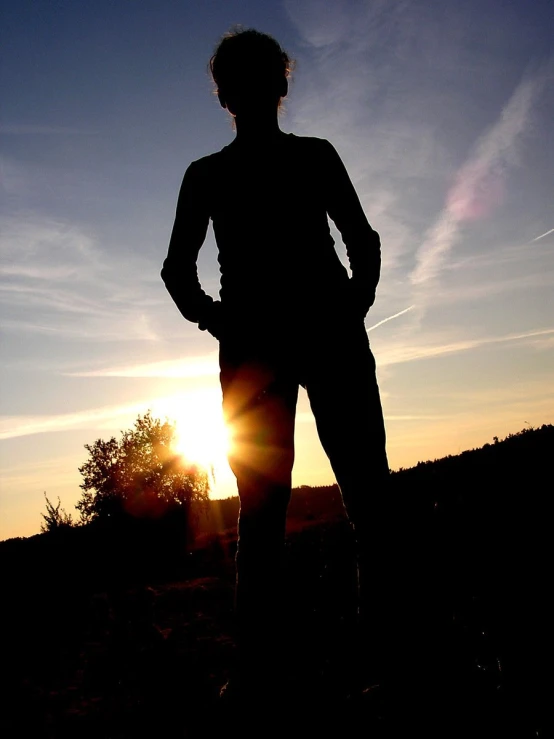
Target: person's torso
268, 208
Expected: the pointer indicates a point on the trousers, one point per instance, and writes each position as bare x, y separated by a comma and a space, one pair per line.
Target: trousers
260, 378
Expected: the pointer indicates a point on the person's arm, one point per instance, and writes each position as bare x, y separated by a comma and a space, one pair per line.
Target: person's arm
179, 271
363, 246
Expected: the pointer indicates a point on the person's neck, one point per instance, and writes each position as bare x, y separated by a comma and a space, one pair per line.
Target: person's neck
252, 132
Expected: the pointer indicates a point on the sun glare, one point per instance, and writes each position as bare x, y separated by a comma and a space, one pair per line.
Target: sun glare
202, 437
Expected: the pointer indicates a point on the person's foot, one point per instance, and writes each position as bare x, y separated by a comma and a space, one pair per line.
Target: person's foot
230, 692
260, 692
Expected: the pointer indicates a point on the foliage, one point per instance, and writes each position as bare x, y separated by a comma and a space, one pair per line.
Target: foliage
56, 518
139, 474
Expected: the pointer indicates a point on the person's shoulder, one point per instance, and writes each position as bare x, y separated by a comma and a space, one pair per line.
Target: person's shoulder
309, 142
207, 163
321, 149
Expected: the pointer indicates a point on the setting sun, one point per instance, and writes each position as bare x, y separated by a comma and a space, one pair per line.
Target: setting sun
202, 437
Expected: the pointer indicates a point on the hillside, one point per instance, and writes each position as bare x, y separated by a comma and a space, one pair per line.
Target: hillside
499, 472
111, 635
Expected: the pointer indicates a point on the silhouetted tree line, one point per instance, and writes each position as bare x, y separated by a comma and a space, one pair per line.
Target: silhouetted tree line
142, 504
138, 475
140, 500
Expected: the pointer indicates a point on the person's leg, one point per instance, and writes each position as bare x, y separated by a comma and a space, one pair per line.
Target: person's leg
344, 396
259, 402
400, 637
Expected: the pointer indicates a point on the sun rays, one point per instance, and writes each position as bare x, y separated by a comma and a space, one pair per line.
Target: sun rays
202, 437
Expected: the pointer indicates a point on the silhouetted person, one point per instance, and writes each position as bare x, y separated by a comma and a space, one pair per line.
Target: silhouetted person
288, 315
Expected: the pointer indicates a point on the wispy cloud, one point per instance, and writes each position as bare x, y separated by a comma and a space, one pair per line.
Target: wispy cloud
308, 417
547, 233
347, 89
404, 352
479, 183
57, 270
21, 478
483, 287
37, 273
517, 254
14, 426
390, 318
394, 88
188, 367
207, 398
391, 353
26, 129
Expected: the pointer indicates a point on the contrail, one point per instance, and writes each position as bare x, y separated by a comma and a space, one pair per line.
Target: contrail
479, 180
542, 235
385, 320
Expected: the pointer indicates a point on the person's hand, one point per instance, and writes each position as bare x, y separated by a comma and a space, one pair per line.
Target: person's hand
362, 296
213, 321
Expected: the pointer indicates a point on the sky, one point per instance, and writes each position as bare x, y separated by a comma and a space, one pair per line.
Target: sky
441, 112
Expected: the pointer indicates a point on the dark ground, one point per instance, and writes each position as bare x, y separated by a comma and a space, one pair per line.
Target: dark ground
97, 644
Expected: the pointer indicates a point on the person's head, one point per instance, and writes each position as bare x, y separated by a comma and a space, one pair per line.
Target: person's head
250, 71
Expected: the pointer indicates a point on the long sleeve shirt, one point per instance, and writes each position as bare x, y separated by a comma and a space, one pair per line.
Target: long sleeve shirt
270, 208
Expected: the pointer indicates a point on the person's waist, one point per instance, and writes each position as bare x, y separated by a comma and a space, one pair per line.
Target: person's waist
277, 290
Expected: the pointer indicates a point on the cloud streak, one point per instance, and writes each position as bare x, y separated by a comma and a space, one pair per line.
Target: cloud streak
547, 233
14, 426
409, 353
390, 318
56, 270
479, 183
205, 366
33, 129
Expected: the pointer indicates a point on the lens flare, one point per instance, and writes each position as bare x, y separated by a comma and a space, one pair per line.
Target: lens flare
202, 437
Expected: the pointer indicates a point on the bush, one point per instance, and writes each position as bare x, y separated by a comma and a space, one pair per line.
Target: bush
56, 518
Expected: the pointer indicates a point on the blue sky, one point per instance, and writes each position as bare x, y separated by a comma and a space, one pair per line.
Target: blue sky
442, 114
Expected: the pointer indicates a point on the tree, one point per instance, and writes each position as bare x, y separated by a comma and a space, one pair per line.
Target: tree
56, 518
139, 474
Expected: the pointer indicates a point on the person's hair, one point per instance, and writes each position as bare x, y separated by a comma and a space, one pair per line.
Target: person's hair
249, 54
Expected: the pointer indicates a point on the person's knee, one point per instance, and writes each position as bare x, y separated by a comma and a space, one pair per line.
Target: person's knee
264, 507
261, 467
